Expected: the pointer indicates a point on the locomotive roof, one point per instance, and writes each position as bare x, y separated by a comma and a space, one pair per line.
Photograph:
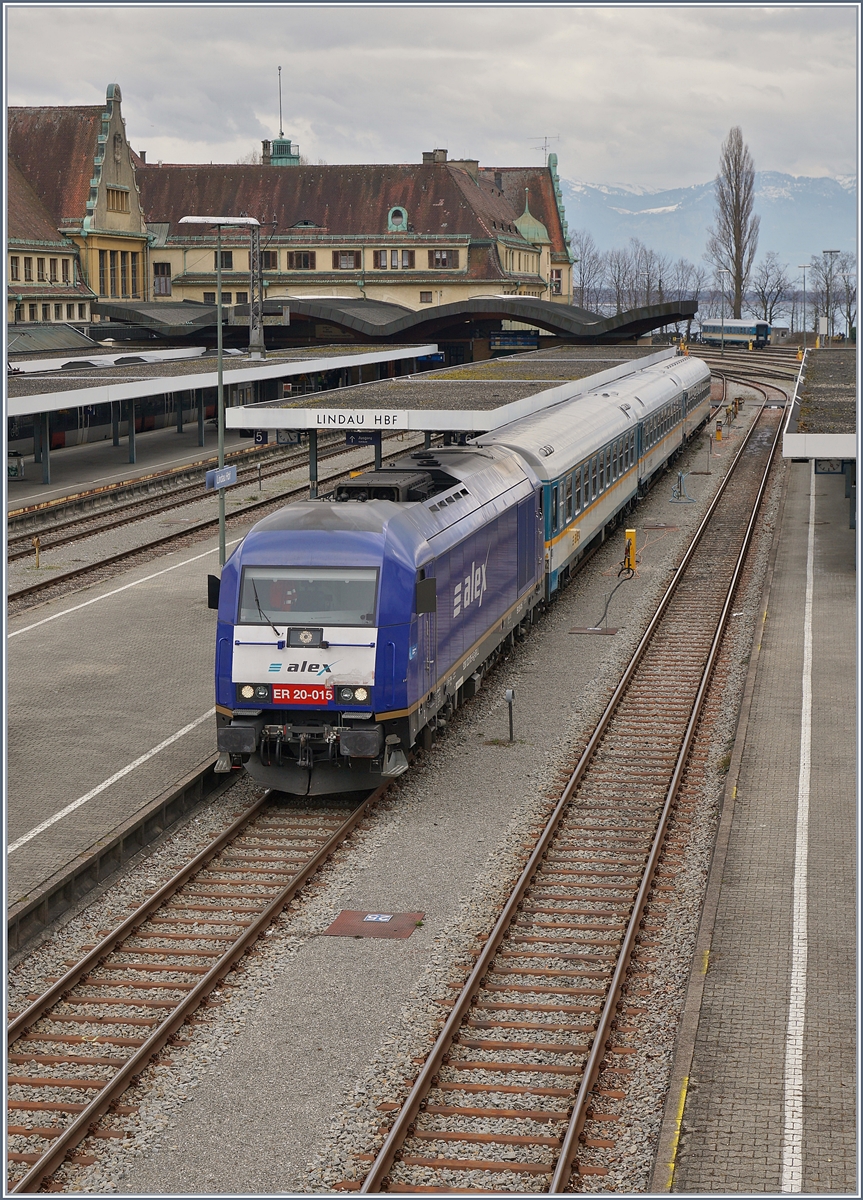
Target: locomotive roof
480, 477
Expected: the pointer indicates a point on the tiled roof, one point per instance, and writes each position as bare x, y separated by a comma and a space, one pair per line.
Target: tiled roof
543, 202
55, 149
29, 219
440, 199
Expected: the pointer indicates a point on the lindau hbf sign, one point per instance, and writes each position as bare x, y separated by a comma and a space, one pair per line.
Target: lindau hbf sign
368, 419
221, 477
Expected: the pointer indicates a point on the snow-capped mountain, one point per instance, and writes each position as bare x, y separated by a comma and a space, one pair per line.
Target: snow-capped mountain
800, 215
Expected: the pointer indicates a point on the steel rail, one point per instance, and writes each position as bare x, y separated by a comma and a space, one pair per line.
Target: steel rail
162, 501
569, 1146
376, 1178
198, 527
114, 1087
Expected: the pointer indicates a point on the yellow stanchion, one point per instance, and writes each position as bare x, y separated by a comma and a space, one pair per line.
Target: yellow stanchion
719, 431
629, 552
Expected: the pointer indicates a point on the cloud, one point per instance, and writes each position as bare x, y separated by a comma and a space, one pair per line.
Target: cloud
644, 95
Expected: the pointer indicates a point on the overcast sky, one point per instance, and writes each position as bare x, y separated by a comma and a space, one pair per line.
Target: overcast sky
639, 94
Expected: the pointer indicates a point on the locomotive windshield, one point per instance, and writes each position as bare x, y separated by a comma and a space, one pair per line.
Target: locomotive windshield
308, 595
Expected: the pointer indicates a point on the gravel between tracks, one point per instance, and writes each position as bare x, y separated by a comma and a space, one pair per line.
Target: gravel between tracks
162, 1091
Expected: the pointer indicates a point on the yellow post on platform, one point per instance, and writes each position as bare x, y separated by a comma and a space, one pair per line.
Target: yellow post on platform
629, 552
719, 431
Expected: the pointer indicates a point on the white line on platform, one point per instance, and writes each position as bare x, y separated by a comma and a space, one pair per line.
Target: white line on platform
792, 1141
64, 812
124, 588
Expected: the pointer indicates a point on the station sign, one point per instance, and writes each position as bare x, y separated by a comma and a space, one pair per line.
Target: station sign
363, 437
221, 477
362, 418
262, 437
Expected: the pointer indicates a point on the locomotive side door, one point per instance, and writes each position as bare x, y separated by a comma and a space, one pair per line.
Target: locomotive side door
426, 608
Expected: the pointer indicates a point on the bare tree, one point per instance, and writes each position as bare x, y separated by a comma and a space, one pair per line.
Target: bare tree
253, 158
733, 239
617, 274
770, 285
587, 270
846, 285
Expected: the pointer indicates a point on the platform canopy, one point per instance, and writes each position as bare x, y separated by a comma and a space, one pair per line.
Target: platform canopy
432, 402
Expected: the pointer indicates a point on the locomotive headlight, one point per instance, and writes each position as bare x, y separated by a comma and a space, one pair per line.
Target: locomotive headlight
346, 695
247, 691
361, 694
262, 692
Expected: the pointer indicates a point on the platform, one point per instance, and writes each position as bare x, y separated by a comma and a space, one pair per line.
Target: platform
765, 1070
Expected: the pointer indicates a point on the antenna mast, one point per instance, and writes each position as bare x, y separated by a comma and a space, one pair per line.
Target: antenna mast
545, 141
281, 131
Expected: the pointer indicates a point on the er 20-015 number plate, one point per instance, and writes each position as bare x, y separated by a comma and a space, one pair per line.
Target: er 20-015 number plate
302, 693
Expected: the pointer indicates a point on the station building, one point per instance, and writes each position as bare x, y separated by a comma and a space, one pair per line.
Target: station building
419, 235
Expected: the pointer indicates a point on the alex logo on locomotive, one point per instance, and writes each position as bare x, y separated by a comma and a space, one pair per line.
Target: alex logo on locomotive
473, 588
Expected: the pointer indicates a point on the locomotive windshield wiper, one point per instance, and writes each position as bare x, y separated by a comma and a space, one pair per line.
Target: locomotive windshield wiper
263, 614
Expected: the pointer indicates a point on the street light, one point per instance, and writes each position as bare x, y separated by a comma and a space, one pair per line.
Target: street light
219, 223
802, 267
723, 271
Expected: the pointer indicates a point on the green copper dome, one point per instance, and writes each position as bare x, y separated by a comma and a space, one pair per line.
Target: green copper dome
527, 225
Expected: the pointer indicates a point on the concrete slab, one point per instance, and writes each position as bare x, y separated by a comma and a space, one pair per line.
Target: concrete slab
736, 1113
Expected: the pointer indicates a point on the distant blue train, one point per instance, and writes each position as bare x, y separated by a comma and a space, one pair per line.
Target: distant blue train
351, 627
742, 333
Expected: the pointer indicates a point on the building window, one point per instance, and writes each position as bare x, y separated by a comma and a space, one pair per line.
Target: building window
556, 282
302, 260
124, 272
118, 201
226, 297
40, 269
31, 310
347, 260
209, 297
379, 259
227, 260
269, 260
242, 297
52, 269
103, 272
409, 258
161, 279
425, 297
58, 312
112, 257
82, 312
19, 312
28, 271
65, 270
133, 261
46, 312
70, 312
443, 259
14, 263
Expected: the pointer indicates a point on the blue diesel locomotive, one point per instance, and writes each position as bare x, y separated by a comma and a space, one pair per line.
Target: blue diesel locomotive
351, 627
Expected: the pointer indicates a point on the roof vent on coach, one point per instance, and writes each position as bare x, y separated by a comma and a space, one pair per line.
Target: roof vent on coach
398, 486
545, 451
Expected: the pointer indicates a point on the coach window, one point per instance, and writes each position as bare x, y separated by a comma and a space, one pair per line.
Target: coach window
568, 499
594, 491
554, 510
601, 471
614, 460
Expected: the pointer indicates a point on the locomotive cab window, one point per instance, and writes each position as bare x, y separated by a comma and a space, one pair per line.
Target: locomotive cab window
308, 596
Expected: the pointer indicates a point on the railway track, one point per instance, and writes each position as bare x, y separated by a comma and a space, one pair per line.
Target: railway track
74, 1050
74, 528
257, 506
508, 1099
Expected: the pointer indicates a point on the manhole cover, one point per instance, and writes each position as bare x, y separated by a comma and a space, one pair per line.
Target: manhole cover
350, 923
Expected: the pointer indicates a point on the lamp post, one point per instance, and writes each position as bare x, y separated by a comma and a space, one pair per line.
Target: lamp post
828, 279
723, 271
802, 267
220, 223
